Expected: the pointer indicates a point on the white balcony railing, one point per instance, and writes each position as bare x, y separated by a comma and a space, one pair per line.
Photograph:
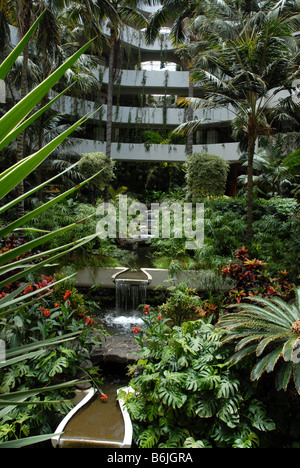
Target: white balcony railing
152, 116
157, 153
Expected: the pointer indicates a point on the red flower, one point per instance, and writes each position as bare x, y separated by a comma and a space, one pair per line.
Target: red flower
103, 397
88, 321
46, 313
67, 294
146, 309
57, 304
28, 288
159, 317
136, 330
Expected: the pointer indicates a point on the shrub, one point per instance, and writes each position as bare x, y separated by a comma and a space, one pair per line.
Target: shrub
206, 175
183, 304
91, 163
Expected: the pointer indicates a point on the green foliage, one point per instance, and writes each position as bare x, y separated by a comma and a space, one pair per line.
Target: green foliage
91, 163
206, 175
268, 328
36, 322
182, 304
186, 395
18, 261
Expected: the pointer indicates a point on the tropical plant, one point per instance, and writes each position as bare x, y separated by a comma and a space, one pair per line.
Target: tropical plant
182, 304
187, 396
268, 329
90, 163
250, 277
292, 164
270, 175
245, 51
14, 264
206, 175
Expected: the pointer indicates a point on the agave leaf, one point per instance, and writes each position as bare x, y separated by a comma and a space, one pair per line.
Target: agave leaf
27, 165
15, 396
34, 189
20, 250
28, 295
30, 347
36, 267
22, 262
10, 362
12, 57
16, 115
20, 128
28, 441
27, 217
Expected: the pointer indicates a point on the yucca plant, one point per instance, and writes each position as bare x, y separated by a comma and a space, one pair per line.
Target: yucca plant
14, 265
268, 328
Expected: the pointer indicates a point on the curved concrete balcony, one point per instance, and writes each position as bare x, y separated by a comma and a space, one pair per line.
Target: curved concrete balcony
157, 153
153, 116
153, 81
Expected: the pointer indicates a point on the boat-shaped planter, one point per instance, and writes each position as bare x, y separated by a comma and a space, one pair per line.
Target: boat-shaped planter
96, 423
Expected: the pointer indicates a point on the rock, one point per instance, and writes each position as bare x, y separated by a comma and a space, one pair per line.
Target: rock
121, 349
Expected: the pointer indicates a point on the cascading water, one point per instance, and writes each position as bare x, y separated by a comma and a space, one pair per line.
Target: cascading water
131, 292
129, 295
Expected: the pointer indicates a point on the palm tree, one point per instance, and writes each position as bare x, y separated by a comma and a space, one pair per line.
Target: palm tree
245, 51
179, 13
22, 14
128, 14
270, 175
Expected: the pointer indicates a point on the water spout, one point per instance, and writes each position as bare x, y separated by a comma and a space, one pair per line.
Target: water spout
130, 294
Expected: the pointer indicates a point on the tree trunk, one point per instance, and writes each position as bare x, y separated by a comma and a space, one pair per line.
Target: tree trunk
24, 23
20, 138
249, 233
110, 91
190, 118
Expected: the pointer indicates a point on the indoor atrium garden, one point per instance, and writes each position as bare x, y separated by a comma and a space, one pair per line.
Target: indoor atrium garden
214, 333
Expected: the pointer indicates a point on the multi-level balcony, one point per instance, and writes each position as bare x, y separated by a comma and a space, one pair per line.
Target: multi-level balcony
133, 84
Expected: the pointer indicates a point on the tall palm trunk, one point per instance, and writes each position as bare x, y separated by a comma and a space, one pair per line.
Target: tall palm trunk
190, 119
110, 92
251, 150
24, 23
20, 138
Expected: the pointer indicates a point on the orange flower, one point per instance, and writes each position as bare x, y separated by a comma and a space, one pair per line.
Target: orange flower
67, 294
136, 329
103, 397
57, 304
28, 288
159, 317
46, 313
88, 321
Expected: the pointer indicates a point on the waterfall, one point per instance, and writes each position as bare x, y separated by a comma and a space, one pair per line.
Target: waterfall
130, 294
